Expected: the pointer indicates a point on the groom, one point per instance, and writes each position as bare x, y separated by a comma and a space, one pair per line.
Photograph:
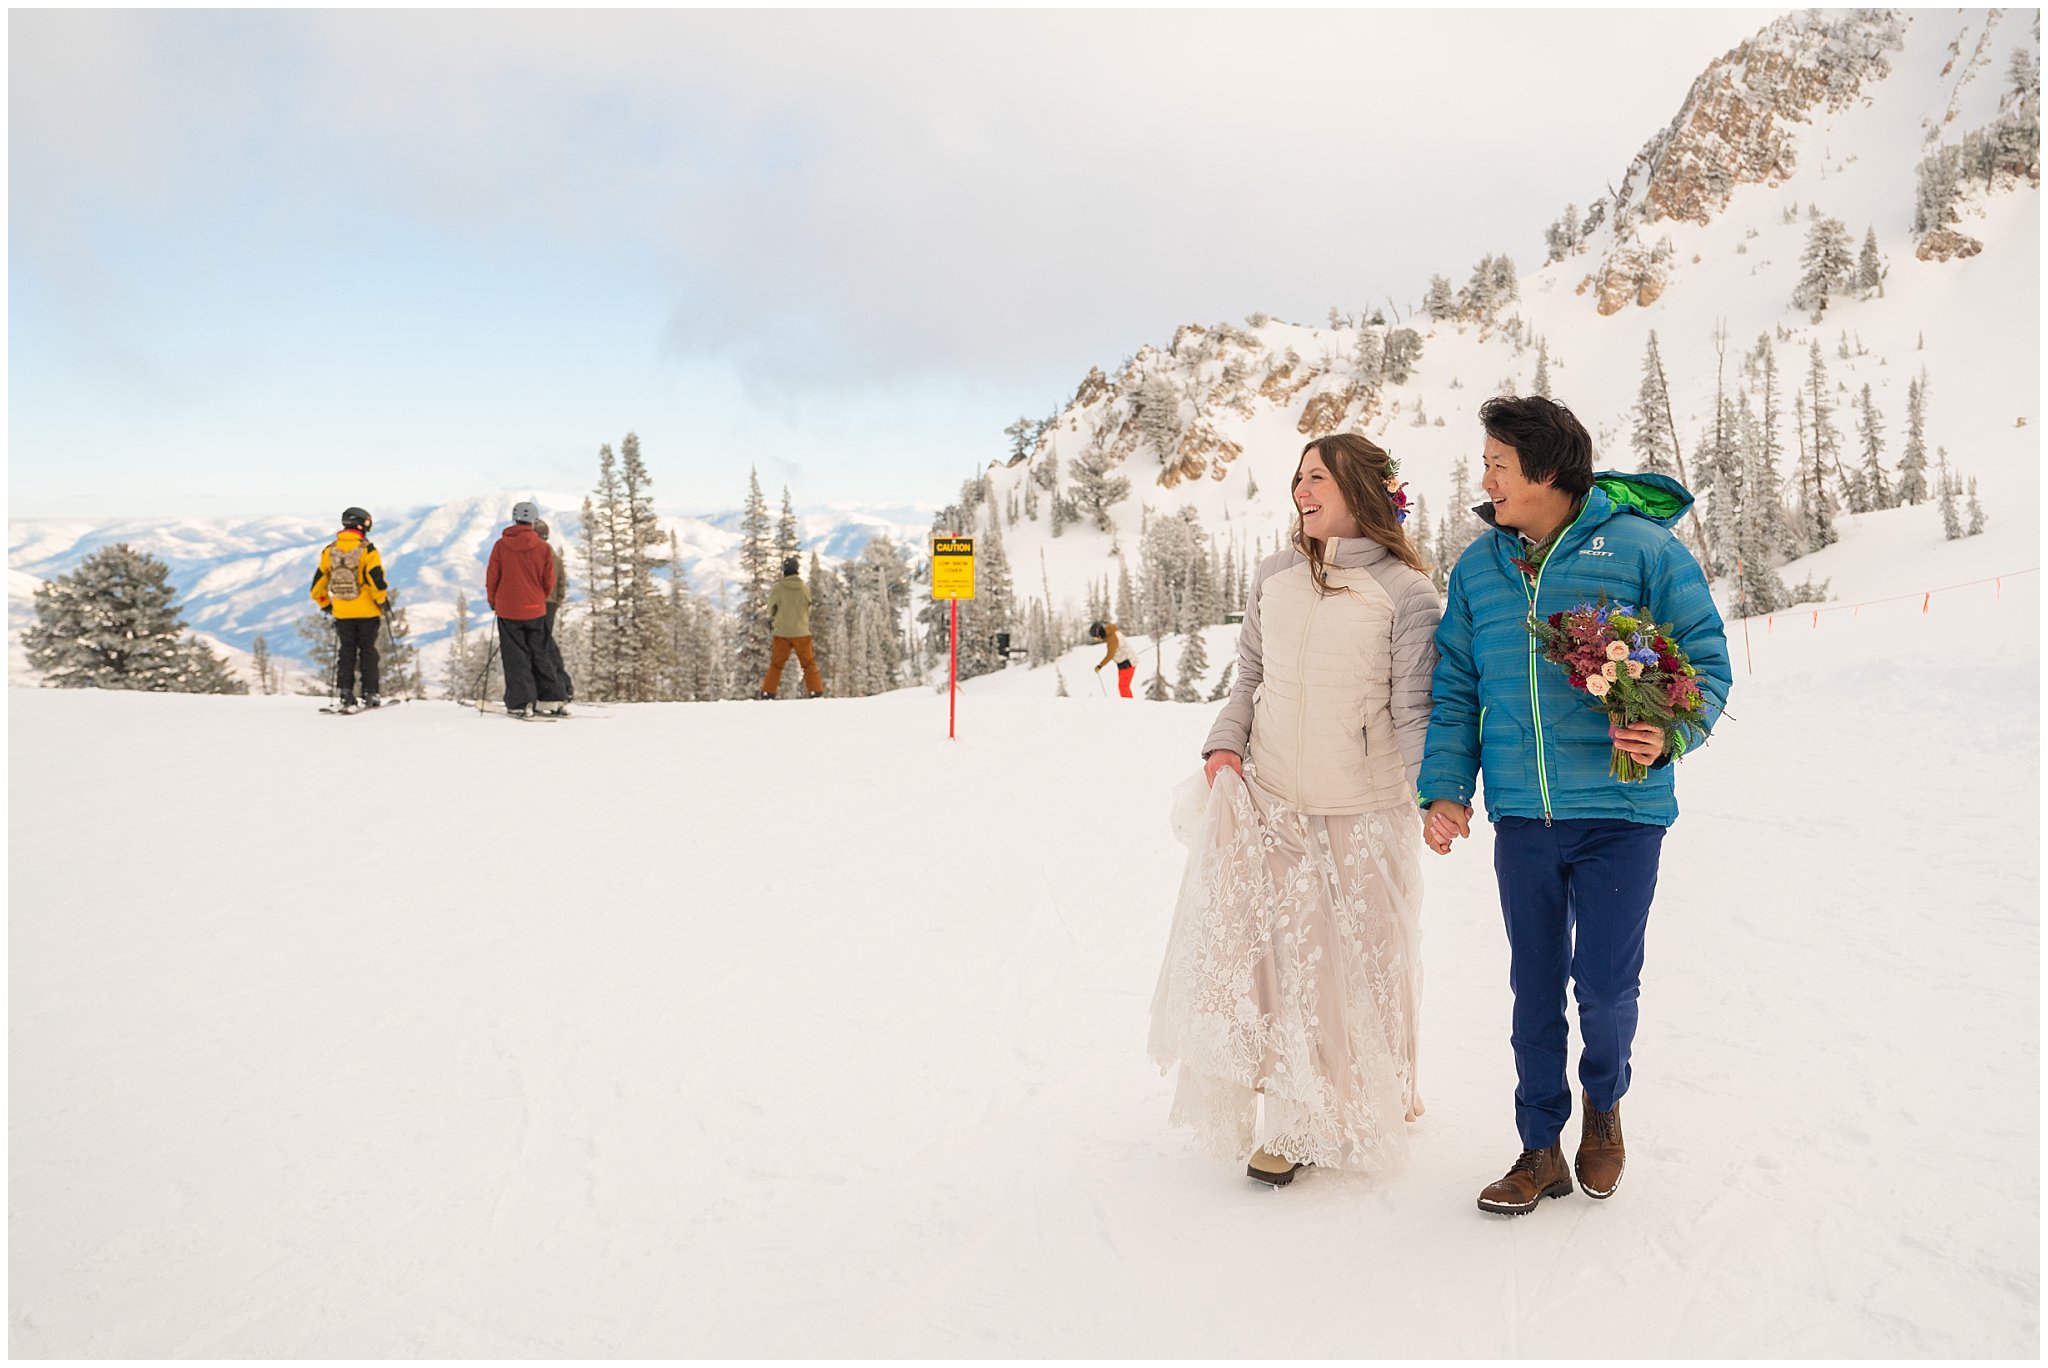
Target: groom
1574, 849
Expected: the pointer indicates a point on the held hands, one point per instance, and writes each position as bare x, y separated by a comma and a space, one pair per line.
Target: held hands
1219, 760
1445, 821
1641, 741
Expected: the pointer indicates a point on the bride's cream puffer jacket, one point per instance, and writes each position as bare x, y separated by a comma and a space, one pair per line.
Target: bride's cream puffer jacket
1331, 699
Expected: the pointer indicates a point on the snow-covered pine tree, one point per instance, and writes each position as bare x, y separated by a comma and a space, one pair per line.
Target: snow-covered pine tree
1403, 353
1912, 487
787, 541
758, 572
1541, 384
1870, 267
1765, 483
1021, 434
1156, 411
1945, 482
1194, 663
1440, 301
113, 623
455, 681
1222, 689
830, 625
1096, 491
399, 672
1816, 502
316, 635
993, 607
1872, 483
1758, 588
266, 673
1128, 609
1827, 266
1650, 433
1976, 511
1827, 438
1155, 687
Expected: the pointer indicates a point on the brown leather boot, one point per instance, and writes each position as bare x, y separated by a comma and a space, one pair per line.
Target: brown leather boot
1601, 1156
1271, 1168
1536, 1174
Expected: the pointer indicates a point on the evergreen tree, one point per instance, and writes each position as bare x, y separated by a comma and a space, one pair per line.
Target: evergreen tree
787, 541
1912, 488
992, 610
1976, 510
1095, 489
1156, 411
1021, 434
1872, 483
1656, 451
1194, 663
1766, 486
1827, 266
455, 681
399, 671
1222, 689
113, 623
1945, 480
1541, 384
1441, 300
1155, 687
1827, 438
1403, 352
266, 673
1870, 267
758, 572
316, 636
1758, 587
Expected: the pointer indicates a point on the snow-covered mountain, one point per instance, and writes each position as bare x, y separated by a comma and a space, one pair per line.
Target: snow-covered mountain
238, 580
1820, 115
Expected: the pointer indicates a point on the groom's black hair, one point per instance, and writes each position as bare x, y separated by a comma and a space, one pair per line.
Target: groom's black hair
1551, 443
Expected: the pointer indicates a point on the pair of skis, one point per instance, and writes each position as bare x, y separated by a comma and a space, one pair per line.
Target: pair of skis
337, 710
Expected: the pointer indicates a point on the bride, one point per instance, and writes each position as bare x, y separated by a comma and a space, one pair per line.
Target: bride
1292, 971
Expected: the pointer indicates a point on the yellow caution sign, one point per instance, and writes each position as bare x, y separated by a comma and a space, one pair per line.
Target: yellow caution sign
952, 567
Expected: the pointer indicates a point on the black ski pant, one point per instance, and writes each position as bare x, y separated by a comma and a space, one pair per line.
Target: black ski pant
356, 649
529, 672
555, 657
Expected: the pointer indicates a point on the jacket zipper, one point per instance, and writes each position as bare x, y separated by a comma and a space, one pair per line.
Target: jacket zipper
1535, 703
1301, 705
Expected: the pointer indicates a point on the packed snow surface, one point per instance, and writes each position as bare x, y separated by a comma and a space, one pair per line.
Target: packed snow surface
799, 1029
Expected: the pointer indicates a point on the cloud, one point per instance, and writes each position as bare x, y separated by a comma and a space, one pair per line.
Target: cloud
846, 198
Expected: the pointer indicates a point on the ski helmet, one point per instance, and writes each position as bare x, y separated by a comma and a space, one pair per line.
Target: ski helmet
1095, 632
525, 512
357, 518
789, 565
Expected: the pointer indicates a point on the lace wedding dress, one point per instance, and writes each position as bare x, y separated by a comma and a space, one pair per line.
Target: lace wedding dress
1293, 969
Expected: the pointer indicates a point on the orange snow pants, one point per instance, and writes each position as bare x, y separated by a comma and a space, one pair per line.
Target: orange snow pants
778, 656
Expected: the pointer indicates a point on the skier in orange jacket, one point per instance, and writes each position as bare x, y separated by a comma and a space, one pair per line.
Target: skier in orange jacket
1105, 632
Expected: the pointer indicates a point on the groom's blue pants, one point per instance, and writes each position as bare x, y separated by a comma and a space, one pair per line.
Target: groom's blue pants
1576, 898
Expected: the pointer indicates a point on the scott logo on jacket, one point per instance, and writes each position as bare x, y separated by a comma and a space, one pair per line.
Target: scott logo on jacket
1595, 548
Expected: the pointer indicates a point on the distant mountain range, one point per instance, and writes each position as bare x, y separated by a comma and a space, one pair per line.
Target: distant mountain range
241, 579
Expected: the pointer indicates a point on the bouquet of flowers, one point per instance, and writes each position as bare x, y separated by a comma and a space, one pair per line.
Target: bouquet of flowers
1632, 670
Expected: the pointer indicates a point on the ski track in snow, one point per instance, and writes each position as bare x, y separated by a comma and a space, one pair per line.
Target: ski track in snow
795, 1029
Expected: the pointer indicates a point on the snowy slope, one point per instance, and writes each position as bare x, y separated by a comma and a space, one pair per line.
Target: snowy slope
745, 1030
1973, 324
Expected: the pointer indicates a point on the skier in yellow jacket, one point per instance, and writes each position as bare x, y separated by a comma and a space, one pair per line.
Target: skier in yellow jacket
1105, 632
789, 616
349, 587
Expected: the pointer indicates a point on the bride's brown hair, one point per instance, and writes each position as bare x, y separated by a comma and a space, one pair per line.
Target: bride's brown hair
1361, 470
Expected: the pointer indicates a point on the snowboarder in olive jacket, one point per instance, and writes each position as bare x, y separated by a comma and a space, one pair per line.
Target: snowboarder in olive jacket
789, 617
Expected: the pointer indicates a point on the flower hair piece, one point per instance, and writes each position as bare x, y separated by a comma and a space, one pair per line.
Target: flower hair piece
1397, 490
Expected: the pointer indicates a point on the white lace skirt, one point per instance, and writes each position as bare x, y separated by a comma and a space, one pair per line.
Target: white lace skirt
1294, 970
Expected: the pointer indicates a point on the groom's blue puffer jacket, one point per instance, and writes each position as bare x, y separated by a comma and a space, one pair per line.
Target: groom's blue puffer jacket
1501, 709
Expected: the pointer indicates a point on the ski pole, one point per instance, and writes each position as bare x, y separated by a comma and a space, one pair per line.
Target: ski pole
484, 679
1100, 686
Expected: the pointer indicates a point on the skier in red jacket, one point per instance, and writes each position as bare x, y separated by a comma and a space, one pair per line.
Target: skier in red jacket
517, 583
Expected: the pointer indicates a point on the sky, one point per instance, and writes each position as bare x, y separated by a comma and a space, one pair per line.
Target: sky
278, 261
